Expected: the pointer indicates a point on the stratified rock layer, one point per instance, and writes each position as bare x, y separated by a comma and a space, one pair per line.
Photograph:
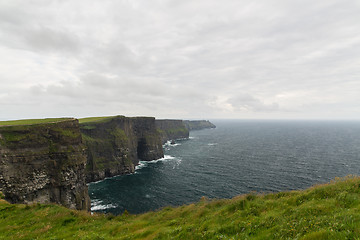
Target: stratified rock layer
116, 144
170, 129
44, 163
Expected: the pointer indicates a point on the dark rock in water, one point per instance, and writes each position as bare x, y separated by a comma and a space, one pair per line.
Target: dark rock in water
171, 129
198, 124
116, 144
173, 142
44, 163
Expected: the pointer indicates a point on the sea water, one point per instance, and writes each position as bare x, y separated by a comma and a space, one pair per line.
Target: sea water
239, 156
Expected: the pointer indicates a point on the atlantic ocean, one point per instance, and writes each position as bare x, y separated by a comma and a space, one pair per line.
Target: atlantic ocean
237, 157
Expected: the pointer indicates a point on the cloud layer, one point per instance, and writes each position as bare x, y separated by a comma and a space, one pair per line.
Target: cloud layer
180, 59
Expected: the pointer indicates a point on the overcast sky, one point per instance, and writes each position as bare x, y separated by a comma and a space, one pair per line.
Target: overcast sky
264, 59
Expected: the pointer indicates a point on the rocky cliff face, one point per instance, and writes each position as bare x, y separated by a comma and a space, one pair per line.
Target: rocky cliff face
44, 163
198, 124
171, 129
51, 162
116, 144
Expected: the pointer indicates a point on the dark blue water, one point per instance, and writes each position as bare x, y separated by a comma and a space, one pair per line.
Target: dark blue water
235, 158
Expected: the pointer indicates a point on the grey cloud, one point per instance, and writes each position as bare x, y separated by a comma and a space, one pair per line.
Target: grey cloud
37, 90
97, 80
11, 16
113, 57
46, 39
30, 27
42, 39
249, 103
182, 58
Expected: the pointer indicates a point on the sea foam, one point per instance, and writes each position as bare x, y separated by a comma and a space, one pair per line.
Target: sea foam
169, 144
97, 205
166, 158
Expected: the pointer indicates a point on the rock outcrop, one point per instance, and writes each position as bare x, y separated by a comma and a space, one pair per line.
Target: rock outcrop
198, 124
171, 129
44, 163
116, 144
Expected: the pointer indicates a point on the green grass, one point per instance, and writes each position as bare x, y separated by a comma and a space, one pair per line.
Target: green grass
51, 120
95, 119
32, 121
329, 211
37, 132
119, 136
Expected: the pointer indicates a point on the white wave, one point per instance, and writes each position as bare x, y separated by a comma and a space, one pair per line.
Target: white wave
212, 144
95, 182
97, 205
102, 207
177, 163
166, 158
141, 165
170, 144
176, 144
167, 143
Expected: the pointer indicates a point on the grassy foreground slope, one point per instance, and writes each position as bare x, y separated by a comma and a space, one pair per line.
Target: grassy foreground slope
330, 211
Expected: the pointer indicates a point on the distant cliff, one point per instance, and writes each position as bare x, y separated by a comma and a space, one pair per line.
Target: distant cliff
44, 163
171, 129
198, 124
116, 144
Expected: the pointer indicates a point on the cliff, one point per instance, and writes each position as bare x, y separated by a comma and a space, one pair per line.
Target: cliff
116, 144
43, 162
46, 161
171, 129
198, 124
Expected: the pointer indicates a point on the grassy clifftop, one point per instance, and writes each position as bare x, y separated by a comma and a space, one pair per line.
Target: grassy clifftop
32, 121
96, 119
330, 211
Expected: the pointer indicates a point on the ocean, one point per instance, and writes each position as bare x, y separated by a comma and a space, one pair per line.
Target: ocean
237, 157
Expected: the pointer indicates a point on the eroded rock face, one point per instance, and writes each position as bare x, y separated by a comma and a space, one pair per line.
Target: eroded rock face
115, 145
170, 129
44, 163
